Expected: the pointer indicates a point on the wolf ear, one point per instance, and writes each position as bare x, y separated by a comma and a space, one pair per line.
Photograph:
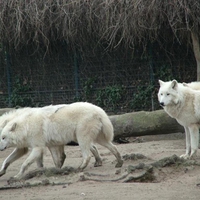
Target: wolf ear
161, 82
174, 84
13, 127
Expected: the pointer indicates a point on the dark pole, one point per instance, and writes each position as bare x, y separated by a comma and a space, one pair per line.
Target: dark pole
151, 73
8, 72
76, 74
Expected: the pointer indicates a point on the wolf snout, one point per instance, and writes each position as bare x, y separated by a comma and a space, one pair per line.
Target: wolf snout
2, 149
162, 104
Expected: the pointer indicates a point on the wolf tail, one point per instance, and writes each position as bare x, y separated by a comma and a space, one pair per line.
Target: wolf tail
107, 129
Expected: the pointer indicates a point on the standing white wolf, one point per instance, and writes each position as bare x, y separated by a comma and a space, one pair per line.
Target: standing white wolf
84, 123
183, 104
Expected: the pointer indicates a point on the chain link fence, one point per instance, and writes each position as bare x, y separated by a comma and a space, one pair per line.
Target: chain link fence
119, 81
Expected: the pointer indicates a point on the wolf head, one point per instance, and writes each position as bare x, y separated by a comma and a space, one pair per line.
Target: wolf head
6, 138
168, 93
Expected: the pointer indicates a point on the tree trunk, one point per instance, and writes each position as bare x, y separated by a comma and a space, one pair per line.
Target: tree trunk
196, 49
144, 123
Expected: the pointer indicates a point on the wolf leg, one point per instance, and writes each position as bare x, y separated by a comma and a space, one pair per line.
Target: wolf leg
86, 157
114, 150
194, 137
85, 145
34, 155
17, 153
39, 161
95, 152
188, 144
58, 155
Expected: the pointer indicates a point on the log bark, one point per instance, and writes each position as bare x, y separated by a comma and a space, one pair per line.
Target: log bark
144, 123
140, 123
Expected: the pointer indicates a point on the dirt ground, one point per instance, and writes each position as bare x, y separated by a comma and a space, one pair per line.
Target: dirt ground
106, 182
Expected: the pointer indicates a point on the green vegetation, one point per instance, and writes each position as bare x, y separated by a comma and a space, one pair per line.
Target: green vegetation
19, 96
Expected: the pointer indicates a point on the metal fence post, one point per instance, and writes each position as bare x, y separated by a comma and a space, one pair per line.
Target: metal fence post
151, 74
8, 72
76, 74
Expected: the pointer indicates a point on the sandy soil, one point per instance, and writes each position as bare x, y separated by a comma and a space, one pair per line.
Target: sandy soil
172, 182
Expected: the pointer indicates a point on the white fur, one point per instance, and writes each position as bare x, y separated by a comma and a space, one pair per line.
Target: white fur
8, 116
57, 152
183, 104
193, 85
81, 122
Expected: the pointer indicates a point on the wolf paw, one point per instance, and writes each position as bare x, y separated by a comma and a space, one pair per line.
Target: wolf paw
18, 176
98, 163
119, 164
2, 172
185, 156
13, 180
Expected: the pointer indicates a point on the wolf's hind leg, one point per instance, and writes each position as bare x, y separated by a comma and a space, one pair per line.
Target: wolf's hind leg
114, 150
34, 155
85, 146
17, 153
39, 161
58, 155
95, 152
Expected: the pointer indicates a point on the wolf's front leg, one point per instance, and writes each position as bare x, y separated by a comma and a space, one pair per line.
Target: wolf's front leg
194, 138
34, 155
188, 144
17, 153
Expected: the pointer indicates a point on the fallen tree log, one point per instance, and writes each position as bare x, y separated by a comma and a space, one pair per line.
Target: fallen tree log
144, 123
140, 123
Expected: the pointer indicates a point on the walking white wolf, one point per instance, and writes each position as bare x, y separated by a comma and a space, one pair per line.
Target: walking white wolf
82, 122
183, 104
57, 152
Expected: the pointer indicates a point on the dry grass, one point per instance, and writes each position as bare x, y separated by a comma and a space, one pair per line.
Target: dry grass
113, 22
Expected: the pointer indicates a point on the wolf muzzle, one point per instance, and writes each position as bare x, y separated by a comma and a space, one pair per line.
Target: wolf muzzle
162, 104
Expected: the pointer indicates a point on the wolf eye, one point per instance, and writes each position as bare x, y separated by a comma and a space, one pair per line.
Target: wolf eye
3, 138
168, 94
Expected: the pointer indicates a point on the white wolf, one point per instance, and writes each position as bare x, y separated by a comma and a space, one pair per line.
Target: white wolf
183, 104
84, 123
57, 152
193, 85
